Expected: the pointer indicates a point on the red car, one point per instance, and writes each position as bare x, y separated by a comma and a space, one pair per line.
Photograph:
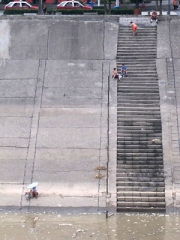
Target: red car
84, 1
53, 1
73, 5
49, 1
20, 5
29, 1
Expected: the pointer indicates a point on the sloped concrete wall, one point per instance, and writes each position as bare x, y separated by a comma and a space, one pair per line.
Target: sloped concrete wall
53, 110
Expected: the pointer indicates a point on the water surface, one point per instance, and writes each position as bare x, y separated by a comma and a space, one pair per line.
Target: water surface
89, 226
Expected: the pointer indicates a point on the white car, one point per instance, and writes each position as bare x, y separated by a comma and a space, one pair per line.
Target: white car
73, 5
20, 5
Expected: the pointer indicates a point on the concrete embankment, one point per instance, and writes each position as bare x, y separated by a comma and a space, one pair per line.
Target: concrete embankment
54, 109
168, 66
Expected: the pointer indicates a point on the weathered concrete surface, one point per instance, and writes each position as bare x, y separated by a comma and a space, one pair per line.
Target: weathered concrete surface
53, 110
168, 66
54, 115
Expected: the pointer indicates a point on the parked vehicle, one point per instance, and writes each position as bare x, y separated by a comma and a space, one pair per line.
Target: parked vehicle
29, 1
84, 1
48, 1
72, 5
20, 5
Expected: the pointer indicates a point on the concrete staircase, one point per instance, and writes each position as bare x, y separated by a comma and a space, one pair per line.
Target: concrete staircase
140, 177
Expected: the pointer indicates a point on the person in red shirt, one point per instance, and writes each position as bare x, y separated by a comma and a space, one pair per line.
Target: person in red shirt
134, 28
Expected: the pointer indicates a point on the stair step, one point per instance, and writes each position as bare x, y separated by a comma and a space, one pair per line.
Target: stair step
135, 145
139, 128
146, 154
130, 178
139, 117
139, 161
139, 171
140, 199
141, 204
145, 124
139, 166
139, 184
136, 148
141, 209
140, 188
139, 101
141, 194
141, 79
139, 175
140, 57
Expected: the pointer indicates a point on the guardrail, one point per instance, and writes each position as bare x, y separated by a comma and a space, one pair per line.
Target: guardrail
164, 13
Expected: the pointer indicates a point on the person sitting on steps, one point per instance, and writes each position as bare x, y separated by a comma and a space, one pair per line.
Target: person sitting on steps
154, 16
123, 70
115, 74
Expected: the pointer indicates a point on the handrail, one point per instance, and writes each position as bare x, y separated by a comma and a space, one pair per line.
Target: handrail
107, 166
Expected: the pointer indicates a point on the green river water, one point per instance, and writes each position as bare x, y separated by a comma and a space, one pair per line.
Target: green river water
51, 225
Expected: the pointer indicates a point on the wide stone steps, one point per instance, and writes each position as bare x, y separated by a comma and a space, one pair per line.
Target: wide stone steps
132, 159
140, 209
137, 145
131, 47
139, 150
137, 103
141, 69
131, 41
147, 147
131, 62
133, 104
130, 178
134, 53
140, 171
138, 108
136, 84
139, 96
140, 194
140, 188
147, 63
138, 127
133, 89
139, 113
136, 118
138, 137
139, 175
127, 36
139, 57
149, 75
132, 79
140, 183
140, 168
137, 123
